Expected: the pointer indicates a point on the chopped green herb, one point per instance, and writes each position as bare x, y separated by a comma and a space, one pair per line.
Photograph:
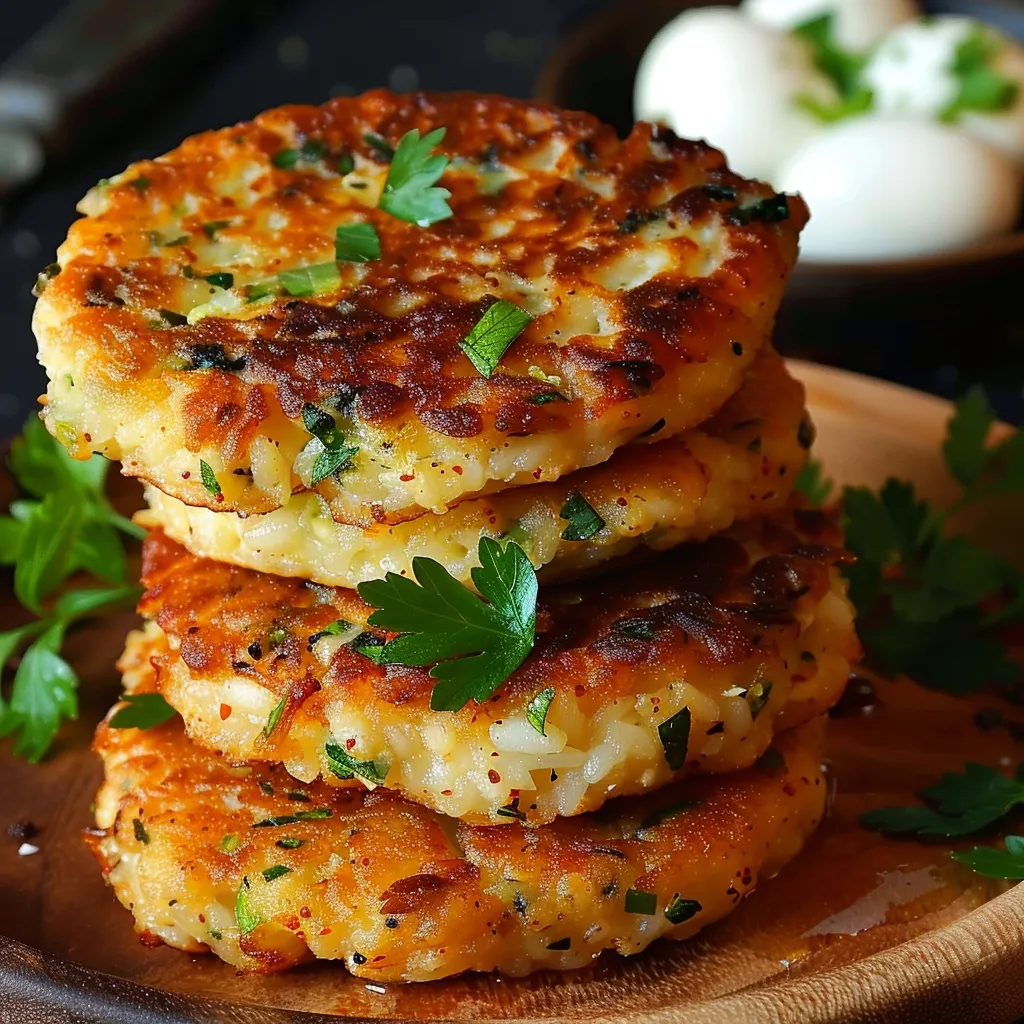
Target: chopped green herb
344, 766
209, 478
720, 192
546, 396
211, 227
511, 811
265, 787
474, 643
274, 718
296, 795
560, 944
285, 159
336, 454
657, 817
221, 280
211, 356
245, 916
141, 183
139, 829
757, 697
980, 86
492, 335
380, 146
680, 910
335, 628
537, 709
261, 290
229, 843
276, 871
582, 518
290, 843
640, 902
371, 646
314, 280
961, 803
356, 243
674, 734
216, 935
636, 629
346, 165
277, 821
143, 711
767, 210
408, 191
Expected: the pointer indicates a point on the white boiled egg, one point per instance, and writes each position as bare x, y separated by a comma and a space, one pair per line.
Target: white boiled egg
914, 71
898, 187
714, 74
857, 24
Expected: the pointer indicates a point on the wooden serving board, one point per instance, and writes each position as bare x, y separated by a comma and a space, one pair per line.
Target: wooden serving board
858, 928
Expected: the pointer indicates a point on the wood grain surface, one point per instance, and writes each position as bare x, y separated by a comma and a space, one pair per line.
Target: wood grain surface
858, 928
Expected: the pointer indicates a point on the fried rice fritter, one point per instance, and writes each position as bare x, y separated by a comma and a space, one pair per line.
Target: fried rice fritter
741, 463
174, 344
714, 646
267, 873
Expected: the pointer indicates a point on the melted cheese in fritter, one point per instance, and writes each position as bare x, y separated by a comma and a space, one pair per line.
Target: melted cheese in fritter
750, 631
741, 463
399, 893
650, 286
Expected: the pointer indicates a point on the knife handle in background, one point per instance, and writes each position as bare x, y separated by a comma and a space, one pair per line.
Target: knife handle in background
100, 61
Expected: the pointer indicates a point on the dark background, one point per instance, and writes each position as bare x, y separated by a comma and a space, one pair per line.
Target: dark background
304, 51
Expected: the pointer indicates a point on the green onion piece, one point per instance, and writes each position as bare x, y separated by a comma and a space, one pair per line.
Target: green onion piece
314, 280
640, 902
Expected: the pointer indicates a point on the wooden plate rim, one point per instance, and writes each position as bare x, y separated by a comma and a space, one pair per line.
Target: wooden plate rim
943, 976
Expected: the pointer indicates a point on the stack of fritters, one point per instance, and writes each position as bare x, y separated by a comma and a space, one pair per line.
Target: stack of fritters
310, 413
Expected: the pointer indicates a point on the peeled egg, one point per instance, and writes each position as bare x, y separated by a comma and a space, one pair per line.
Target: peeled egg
913, 72
857, 24
714, 74
897, 187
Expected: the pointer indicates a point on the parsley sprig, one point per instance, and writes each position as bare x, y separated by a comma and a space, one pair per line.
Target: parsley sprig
65, 526
930, 602
474, 642
410, 191
840, 65
959, 804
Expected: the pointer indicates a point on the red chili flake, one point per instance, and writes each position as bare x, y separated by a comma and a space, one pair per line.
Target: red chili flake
304, 912
536, 474
457, 469
494, 776
446, 792
366, 862
621, 501
202, 919
220, 497
349, 744
301, 935
580, 689
185, 475
406, 477
494, 753
325, 931
225, 712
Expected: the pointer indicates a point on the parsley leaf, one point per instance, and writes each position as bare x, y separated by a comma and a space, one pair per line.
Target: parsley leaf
680, 910
962, 803
640, 902
812, 483
474, 643
674, 734
582, 518
344, 766
245, 915
65, 526
144, 711
356, 243
312, 280
408, 193
492, 335
980, 86
209, 478
336, 455
537, 709
983, 860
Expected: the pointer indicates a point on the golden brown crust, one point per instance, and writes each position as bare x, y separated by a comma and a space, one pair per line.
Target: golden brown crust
649, 300
400, 893
760, 610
